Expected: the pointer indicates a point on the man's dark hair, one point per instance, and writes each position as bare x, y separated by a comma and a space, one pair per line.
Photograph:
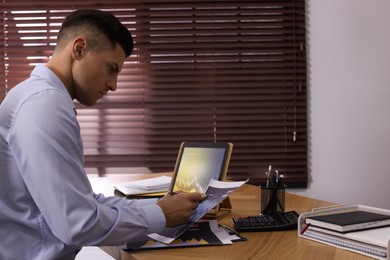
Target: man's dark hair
92, 21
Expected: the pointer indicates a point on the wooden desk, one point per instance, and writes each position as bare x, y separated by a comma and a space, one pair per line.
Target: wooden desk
260, 245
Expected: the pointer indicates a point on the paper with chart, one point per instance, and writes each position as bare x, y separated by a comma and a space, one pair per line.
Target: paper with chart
216, 192
201, 233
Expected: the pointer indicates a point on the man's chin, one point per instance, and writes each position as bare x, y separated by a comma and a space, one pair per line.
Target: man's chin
87, 103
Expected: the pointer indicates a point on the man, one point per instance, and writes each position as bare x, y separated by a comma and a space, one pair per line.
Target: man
47, 207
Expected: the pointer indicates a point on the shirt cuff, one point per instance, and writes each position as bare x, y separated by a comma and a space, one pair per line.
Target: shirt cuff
155, 217
144, 202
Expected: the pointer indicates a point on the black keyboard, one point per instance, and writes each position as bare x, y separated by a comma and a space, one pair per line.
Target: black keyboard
282, 221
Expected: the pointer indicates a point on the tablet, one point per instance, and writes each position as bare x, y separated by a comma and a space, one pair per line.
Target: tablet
199, 162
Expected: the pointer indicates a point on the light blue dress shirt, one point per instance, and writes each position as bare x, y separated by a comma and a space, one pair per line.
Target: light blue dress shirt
47, 207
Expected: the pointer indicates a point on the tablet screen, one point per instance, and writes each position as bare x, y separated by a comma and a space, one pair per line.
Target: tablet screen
198, 163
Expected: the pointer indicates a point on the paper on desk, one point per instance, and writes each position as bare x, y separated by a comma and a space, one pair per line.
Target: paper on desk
201, 233
216, 192
151, 185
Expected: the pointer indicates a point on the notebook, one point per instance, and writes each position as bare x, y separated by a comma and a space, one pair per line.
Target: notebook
350, 221
199, 162
377, 236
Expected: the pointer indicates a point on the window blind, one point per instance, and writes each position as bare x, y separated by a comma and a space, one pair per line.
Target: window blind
201, 71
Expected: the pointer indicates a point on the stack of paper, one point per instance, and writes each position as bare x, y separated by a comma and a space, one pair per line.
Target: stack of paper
145, 186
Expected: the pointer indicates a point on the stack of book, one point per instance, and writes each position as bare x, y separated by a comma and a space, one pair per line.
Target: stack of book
358, 228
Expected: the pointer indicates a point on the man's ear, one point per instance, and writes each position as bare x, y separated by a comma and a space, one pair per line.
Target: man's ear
79, 48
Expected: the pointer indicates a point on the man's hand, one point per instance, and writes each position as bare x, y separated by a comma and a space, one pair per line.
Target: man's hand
179, 207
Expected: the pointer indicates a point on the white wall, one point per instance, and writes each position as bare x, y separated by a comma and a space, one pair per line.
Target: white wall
349, 101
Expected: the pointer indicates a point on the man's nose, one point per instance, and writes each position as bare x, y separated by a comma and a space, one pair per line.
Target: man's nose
113, 84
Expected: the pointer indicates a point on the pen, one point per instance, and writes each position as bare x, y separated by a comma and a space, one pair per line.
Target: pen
281, 176
228, 229
268, 173
276, 178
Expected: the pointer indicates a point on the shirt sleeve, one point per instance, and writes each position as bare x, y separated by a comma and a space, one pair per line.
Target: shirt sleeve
46, 141
146, 204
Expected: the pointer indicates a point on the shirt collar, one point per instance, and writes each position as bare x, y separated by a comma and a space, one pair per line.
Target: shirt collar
43, 71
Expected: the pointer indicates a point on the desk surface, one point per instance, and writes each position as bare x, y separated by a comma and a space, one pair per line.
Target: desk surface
260, 245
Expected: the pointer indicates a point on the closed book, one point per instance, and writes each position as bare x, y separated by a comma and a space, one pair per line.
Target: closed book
349, 221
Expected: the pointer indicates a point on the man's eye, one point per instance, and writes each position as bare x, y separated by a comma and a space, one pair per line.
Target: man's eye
112, 69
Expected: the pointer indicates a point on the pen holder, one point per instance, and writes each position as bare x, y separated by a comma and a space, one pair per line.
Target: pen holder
272, 200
